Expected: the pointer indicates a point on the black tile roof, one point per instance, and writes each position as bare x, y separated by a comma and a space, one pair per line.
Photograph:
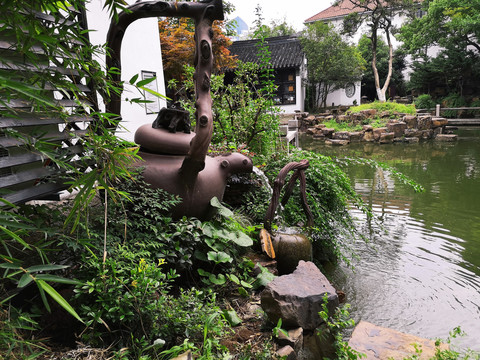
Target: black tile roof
286, 51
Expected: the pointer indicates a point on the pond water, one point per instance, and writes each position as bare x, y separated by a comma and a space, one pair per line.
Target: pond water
422, 276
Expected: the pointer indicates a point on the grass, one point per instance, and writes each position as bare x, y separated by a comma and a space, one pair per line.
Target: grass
343, 126
390, 106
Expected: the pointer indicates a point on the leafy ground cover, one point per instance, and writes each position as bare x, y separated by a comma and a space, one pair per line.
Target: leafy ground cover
389, 106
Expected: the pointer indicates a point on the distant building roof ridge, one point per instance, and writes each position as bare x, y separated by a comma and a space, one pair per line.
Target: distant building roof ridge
343, 8
286, 51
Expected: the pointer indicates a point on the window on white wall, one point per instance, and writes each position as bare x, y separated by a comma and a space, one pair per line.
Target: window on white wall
286, 91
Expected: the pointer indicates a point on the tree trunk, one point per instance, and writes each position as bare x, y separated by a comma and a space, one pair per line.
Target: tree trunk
381, 91
390, 63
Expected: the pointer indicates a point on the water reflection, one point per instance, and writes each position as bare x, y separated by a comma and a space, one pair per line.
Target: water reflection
423, 276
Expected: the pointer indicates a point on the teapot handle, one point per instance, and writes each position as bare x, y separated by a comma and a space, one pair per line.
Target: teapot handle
299, 168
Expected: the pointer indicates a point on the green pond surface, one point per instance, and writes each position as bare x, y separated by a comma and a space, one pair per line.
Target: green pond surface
422, 274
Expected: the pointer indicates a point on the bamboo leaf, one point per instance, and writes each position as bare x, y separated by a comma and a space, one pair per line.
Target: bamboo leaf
58, 279
15, 237
59, 299
47, 267
25, 280
9, 266
144, 82
133, 79
42, 295
153, 92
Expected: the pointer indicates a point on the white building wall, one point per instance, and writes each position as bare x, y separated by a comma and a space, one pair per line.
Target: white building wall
339, 97
140, 52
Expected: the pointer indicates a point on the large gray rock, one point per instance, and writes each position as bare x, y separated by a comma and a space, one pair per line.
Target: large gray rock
297, 298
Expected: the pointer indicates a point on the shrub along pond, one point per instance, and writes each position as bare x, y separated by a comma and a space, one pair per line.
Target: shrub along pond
422, 274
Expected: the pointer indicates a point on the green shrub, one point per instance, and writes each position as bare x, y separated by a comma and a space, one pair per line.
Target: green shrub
390, 106
342, 126
453, 100
425, 101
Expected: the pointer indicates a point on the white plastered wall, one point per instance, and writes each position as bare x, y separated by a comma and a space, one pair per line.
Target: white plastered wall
140, 52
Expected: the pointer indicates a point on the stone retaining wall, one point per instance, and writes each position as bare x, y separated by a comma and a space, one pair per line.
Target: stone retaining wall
404, 128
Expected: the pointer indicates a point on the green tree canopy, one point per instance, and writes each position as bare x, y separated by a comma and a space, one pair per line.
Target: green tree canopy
446, 23
455, 67
332, 62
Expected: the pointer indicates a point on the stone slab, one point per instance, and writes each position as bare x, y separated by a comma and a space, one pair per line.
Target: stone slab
297, 298
380, 343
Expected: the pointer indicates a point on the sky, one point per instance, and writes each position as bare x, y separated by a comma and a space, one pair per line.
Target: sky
295, 12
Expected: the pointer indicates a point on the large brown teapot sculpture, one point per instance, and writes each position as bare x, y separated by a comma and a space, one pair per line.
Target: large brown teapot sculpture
178, 161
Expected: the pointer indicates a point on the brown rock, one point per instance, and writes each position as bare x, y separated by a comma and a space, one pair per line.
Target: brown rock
427, 134
356, 117
386, 138
369, 113
411, 121
385, 114
412, 140
328, 132
381, 343
184, 356
310, 131
378, 132
293, 338
446, 137
341, 135
342, 118
336, 142
438, 122
287, 353
367, 128
397, 128
320, 126
297, 298
356, 136
368, 136
412, 133
317, 345
319, 136
424, 122
310, 119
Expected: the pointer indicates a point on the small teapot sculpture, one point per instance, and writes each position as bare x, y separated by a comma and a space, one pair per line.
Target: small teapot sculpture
177, 161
